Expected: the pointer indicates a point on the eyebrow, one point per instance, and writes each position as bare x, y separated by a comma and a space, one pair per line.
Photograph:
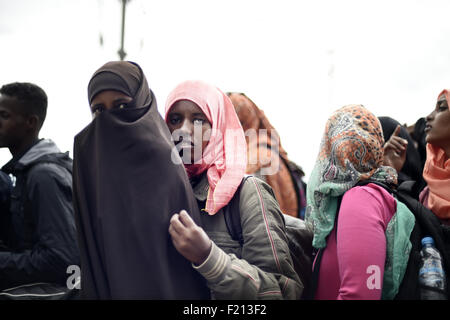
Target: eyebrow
123, 99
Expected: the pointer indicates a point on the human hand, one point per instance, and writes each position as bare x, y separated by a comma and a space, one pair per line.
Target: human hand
395, 150
190, 240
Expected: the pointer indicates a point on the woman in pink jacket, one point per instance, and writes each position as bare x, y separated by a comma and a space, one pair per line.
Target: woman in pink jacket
359, 251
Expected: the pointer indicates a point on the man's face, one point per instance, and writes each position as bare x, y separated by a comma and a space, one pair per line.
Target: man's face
13, 123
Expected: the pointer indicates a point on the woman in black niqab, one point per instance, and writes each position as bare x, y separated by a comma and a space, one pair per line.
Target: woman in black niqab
126, 188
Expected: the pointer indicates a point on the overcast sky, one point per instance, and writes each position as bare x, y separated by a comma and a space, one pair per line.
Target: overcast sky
297, 60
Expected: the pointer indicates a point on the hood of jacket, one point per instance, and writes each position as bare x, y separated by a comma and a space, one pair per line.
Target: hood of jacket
43, 151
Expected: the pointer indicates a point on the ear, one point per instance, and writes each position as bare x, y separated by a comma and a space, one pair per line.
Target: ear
33, 122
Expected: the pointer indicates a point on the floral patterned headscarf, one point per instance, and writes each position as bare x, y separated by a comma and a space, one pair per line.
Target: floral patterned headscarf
351, 151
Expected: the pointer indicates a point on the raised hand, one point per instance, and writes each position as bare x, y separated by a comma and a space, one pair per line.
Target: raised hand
395, 150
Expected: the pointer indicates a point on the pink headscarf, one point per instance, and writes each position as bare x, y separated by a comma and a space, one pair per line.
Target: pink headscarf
225, 156
437, 175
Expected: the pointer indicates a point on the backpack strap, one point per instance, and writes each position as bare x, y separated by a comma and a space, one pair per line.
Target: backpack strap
294, 182
387, 187
319, 254
232, 215
315, 274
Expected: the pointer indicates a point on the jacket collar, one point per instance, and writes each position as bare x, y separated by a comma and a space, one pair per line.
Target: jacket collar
41, 148
200, 186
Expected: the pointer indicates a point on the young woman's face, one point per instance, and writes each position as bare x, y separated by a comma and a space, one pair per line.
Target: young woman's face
438, 124
190, 130
107, 100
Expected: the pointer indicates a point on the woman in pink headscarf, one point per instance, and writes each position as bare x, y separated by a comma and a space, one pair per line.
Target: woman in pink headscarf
436, 196
211, 143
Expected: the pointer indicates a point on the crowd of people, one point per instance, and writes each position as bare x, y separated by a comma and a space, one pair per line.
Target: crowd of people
150, 205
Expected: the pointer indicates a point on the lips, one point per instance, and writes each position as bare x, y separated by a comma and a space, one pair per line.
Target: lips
427, 128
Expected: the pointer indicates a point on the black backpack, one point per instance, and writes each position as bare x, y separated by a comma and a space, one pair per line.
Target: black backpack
427, 224
299, 238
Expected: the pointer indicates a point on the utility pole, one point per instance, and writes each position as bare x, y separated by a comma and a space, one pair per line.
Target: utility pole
121, 51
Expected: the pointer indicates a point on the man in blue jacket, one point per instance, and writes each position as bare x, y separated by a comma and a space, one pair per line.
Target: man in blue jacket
41, 236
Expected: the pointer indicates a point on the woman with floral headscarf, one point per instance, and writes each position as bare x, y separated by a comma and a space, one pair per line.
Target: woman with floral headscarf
211, 142
436, 196
356, 239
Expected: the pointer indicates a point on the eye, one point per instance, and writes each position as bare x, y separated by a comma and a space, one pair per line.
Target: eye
122, 105
96, 110
174, 120
199, 121
441, 106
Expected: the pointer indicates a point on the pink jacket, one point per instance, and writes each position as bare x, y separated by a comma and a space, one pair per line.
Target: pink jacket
353, 268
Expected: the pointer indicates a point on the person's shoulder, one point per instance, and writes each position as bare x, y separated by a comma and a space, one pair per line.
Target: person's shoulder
253, 185
47, 171
252, 180
255, 190
43, 168
373, 189
371, 194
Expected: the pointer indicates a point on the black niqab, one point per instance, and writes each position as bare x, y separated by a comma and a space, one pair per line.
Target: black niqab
126, 188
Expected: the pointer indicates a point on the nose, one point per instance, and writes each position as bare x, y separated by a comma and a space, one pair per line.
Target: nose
430, 117
186, 130
187, 127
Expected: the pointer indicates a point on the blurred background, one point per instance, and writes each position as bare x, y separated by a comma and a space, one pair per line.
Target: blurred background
297, 60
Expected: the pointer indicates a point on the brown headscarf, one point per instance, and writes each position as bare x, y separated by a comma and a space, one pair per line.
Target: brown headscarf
261, 152
126, 188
